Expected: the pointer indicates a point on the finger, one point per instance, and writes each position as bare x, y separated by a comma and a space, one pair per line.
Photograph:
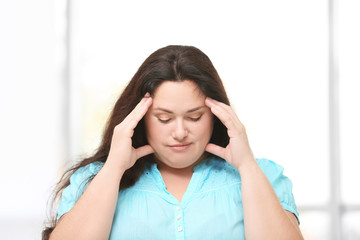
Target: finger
222, 112
216, 150
143, 151
222, 105
226, 115
138, 107
143, 107
138, 112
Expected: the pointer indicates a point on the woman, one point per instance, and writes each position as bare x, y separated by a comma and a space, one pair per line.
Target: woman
180, 157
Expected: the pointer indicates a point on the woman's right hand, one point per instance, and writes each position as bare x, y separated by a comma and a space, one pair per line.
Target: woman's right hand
122, 153
84, 221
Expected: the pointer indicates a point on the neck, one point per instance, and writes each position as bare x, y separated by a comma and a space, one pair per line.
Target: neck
186, 171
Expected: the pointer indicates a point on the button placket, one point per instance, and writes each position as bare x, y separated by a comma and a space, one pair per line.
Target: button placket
179, 223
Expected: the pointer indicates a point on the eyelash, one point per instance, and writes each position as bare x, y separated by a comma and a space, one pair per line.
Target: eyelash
164, 121
195, 119
168, 120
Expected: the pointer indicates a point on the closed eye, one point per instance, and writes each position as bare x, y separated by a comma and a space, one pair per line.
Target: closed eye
195, 119
164, 120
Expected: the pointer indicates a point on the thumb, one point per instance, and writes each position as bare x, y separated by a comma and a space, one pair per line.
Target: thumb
216, 150
143, 151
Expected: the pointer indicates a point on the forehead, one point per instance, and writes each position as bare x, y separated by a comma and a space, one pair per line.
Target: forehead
180, 96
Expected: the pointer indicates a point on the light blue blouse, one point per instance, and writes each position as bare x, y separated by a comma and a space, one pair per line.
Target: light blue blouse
211, 207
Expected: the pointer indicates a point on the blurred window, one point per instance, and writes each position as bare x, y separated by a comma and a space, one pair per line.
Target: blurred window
273, 57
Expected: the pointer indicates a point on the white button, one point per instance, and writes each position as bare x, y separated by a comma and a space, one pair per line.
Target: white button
178, 207
180, 229
178, 217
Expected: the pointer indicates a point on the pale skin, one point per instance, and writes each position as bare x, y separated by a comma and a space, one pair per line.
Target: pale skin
92, 215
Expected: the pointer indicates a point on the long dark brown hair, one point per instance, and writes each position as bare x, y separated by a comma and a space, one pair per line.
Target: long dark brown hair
171, 63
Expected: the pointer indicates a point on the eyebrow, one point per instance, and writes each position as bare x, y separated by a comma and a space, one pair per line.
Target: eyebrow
170, 112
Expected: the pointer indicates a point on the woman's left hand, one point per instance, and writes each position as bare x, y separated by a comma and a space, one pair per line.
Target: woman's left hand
238, 150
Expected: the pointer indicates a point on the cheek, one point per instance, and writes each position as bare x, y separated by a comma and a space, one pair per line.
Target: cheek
154, 131
209, 123
204, 129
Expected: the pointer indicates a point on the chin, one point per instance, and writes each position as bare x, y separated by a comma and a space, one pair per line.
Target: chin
179, 160
177, 165
180, 163
181, 166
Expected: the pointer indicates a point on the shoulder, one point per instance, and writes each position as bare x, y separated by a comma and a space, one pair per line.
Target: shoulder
271, 169
218, 168
215, 173
90, 169
266, 163
78, 183
281, 184
81, 175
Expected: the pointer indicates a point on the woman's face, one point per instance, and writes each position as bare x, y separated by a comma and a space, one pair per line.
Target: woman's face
178, 124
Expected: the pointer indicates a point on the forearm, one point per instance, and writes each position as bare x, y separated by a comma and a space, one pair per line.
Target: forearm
92, 215
264, 216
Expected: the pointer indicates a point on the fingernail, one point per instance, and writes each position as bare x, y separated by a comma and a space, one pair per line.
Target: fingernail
147, 95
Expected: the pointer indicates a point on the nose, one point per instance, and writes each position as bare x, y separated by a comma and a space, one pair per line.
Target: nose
180, 132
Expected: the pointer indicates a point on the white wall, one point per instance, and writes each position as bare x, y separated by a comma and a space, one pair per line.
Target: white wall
30, 122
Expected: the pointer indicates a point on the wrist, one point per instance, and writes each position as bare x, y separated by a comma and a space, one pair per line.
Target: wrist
115, 167
246, 165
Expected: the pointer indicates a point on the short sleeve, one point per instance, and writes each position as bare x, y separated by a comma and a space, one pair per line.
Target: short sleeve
79, 181
280, 183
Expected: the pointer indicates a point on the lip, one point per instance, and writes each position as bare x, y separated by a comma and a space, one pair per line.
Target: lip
180, 147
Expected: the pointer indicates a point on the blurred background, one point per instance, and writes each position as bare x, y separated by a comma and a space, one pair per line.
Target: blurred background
291, 69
